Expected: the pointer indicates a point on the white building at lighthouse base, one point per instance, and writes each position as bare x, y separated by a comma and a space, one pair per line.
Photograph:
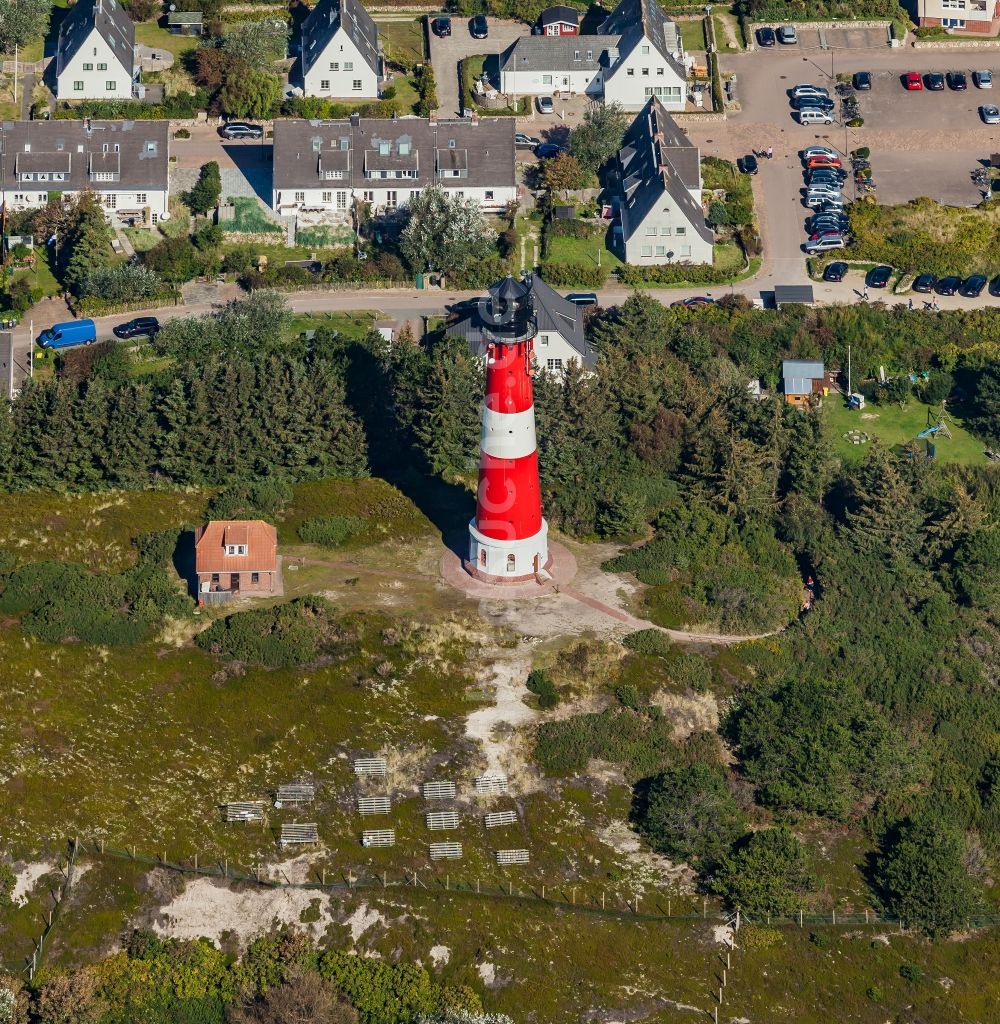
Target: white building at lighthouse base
508, 561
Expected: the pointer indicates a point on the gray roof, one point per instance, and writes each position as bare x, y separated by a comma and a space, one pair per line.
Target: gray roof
557, 53
790, 293
656, 158
811, 368
635, 20
185, 18
108, 17
483, 151
558, 14
69, 147
323, 22
553, 313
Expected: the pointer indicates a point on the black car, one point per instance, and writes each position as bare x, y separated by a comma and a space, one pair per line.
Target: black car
925, 283
840, 224
934, 81
241, 130
862, 81
994, 288
478, 27
878, 277
813, 103
956, 81
441, 27
147, 325
972, 286
747, 164
582, 298
765, 36
835, 271
948, 285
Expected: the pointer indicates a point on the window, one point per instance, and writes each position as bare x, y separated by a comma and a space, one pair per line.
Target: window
335, 65
300, 197
489, 195
451, 143
645, 72
140, 198
665, 231
215, 578
391, 199
241, 549
644, 51
661, 250
383, 149
553, 364
659, 72
630, 72
685, 250
231, 549
88, 67
327, 197
102, 67
459, 193
543, 339
682, 231
348, 65
369, 197
546, 79
651, 230
404, 149
590, 55
341, 200
357, 85
333, 175
510, 563
576, 55
255, 578
78, 86
324, 83
345, 143
111, 200
110, 86
647, 250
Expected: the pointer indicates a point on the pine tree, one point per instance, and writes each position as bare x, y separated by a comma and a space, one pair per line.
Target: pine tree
884, 520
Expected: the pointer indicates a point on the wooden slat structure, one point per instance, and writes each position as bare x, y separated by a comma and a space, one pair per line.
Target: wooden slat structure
373, 805
491, 782
500, 818
437, 820
295, 793
446, 851
299, 832
439, 790
370, 766
245, 811
512, 857
379, 837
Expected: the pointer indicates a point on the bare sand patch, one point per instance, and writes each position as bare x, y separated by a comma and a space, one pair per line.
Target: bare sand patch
27, 877
648, 867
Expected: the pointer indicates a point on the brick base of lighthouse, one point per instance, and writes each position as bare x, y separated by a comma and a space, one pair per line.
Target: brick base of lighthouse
503, 562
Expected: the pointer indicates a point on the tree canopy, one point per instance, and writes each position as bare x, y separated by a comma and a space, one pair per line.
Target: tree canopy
445, 231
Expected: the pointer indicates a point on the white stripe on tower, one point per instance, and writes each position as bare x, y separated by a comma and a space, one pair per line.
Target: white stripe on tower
508, 435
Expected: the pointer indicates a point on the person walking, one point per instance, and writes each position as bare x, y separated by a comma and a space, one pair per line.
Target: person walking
911, 303
770, 152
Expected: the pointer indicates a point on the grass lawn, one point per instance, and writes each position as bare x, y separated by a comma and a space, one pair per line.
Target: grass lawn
721, 39
250, 217
350, 325
582, 250
404, 39
41, 276
143, 239
148, 33
406, 93
692, 34
729, 257
895, 427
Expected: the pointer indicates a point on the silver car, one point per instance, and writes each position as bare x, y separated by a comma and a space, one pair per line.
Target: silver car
983, 79
826, 244
989, 113
786, 35
802, 91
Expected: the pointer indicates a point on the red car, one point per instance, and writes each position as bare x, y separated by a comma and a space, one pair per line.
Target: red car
913, 81
819, 163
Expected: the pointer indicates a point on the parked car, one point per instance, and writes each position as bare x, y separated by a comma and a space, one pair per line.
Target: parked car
825, 244
912, 81
241, 130
824, 200
583, 298
765, 36
824, 160
825, 178
478, 27
934, 80
835, 271
147, 325
809, 90
983, 79
957, 81
814, 116
694, 302
862, 81
546, 105
441, 27
878, 277
972, 286
65, 335
522, 141
924, 283
817, 102
786, 35
994, 288
818, 236
829, 222
747, 164
829, 186
546, 150
990, 113
948, 285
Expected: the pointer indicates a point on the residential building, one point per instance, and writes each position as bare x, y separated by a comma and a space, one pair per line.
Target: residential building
559, 335
322, 167
966, 15
636, 54
559, 21
801, 379
185, 23
236, 558
657, 196
341, 51
125, 163
95, 53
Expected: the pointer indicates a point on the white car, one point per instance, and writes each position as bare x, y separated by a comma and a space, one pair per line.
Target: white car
989, 113
983, 79
801, 91
810, 151
825, 201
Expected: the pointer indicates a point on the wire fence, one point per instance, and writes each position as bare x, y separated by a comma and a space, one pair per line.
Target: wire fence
580, 898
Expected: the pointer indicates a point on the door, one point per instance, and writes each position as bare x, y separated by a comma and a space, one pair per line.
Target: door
234, 581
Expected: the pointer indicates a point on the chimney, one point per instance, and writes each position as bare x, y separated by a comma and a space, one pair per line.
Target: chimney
432, 119
474, 120
355, 120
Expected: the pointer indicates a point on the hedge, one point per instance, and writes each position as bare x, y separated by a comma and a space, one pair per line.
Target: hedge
94, 305
563, 275
674, 273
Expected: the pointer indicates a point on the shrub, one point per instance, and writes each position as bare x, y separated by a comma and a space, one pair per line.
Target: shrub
570, 274
673, 273
649, 641
7, 882
767, 873
540, 683
259, 499
331, 531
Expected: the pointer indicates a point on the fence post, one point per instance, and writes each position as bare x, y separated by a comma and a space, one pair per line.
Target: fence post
704, 907
668, 906
834, 914
383, 879
800, 917
866, 915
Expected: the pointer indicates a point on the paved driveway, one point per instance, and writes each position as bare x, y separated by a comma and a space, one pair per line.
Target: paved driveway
446, 54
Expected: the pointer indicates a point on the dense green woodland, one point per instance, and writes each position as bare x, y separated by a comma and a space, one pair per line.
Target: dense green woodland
877, 710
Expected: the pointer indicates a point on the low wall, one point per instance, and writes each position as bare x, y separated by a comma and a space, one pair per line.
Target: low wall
752, 26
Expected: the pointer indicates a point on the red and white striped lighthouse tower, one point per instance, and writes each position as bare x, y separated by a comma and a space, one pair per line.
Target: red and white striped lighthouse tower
508, 539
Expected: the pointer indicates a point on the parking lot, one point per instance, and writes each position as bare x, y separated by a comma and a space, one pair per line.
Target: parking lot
812, 38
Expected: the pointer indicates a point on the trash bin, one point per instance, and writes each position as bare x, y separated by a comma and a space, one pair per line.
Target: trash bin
420, 280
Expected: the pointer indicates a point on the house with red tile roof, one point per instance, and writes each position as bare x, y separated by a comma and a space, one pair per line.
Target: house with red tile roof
235, 558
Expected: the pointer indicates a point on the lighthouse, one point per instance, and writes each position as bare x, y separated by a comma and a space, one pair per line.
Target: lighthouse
508, 538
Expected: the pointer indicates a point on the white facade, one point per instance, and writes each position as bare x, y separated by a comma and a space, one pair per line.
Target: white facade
664, 235
115, 203
586, 82
340, 70
336, 203
553, 353
96, 53
508, 559
645, 72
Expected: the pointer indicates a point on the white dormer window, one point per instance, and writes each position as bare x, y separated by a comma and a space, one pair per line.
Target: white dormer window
404, 149
27, 147
231, 549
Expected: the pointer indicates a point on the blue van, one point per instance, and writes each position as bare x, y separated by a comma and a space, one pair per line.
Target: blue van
74, 332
